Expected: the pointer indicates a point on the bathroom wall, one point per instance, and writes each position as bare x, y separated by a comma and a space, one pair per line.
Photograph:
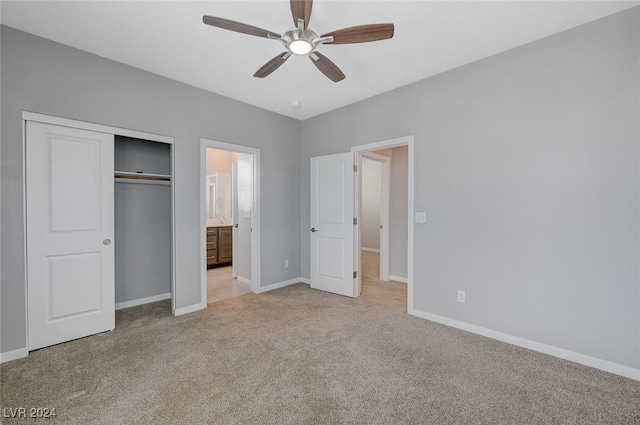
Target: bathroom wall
219, 163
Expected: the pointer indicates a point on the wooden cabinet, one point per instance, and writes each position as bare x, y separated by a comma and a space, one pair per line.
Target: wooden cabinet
225, 245
212, 246
219, 246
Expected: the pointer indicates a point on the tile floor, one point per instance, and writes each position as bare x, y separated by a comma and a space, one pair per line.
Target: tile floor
221, 285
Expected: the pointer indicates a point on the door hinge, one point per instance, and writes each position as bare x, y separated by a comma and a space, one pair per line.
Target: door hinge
355, 221
355, 168
355, 274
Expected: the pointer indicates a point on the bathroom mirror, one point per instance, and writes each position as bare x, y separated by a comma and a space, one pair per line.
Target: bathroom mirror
219, 196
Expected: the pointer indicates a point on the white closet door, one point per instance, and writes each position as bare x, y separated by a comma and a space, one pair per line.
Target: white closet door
70, 254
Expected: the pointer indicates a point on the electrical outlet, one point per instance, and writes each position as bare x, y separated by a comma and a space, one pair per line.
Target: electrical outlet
460, 296
286, 264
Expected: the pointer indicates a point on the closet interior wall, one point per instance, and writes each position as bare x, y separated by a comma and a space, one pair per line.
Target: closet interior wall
142, 221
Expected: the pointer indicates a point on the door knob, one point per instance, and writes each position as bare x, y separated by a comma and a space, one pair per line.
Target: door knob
236, 225
106, 242
313, 229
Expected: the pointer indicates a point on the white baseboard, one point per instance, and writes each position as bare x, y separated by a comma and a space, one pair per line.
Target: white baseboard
572, 356
14, 355
189, 309
142, 301
305, 280
280, 285
243, 280
370, 249
398, 279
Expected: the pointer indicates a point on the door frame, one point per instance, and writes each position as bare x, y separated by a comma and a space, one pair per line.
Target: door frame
385, 204
255, 214
83, 125
391, 143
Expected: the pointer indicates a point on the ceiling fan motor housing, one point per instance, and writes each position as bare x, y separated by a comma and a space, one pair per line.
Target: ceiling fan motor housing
300, 42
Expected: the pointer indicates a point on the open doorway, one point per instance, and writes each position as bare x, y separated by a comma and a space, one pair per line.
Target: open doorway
375, 180
383, 206
335, 217
229, 218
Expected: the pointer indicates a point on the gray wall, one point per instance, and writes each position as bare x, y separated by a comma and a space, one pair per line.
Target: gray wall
527, 164
142, 240
45, 77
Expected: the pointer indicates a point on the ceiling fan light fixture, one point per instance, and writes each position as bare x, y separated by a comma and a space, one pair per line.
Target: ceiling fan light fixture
302, 41
300, 47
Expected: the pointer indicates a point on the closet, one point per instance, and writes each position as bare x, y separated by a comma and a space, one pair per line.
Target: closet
142, 195
98, 227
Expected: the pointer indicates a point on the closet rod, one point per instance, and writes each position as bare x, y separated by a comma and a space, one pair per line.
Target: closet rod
141, 176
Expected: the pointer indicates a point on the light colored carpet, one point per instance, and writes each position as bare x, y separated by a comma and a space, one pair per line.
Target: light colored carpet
300, 356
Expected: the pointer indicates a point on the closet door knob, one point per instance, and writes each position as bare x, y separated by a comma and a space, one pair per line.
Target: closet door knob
106, 242
236, 226
313, 229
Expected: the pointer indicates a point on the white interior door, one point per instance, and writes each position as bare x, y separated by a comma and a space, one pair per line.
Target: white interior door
70, 225
385, 220
244, 199
331, 219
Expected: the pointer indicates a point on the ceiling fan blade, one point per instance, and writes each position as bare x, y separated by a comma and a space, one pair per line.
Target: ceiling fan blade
301, 9
327, 67
361, 34
272, 65
230, 25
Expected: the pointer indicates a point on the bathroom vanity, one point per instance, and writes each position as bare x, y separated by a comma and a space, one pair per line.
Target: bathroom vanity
219, 246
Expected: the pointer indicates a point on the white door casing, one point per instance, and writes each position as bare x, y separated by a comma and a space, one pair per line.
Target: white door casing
331, 220
70, 226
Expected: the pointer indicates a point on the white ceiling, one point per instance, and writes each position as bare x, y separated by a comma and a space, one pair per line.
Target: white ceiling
168, 38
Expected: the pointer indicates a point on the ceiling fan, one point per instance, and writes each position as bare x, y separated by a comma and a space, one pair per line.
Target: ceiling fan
300, 40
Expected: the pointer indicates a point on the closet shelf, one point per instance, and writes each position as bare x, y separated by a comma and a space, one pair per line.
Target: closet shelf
141, 176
